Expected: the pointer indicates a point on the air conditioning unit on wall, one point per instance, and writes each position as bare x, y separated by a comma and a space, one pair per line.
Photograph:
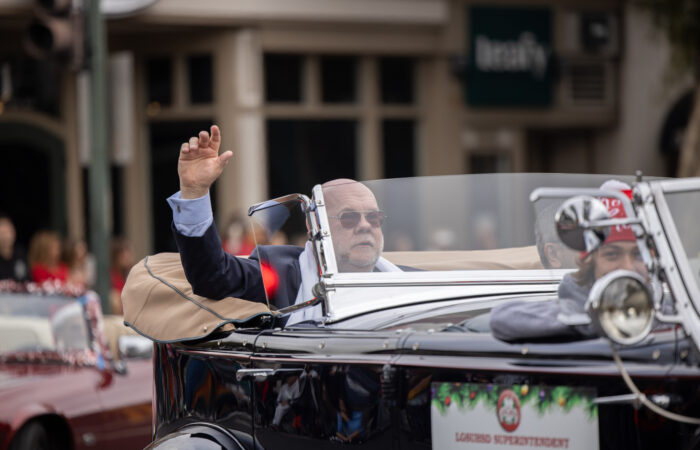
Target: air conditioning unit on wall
588, 54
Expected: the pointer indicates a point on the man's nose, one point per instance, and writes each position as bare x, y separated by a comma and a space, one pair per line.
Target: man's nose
363, 224
628, 262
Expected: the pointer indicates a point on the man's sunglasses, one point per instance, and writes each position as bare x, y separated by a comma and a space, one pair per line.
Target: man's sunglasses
350, 219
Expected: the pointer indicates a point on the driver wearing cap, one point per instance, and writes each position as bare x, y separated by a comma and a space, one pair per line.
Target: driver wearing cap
518, 321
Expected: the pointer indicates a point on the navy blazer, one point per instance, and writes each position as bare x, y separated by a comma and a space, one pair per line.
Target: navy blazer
215, 274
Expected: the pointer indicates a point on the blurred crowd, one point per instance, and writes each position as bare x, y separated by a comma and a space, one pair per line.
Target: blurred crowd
52, 259
240, 236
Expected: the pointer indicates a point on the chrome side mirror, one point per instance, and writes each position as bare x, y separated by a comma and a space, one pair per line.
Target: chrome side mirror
573, 221
621, 306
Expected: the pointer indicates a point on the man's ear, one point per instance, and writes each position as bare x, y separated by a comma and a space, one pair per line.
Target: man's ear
553, 254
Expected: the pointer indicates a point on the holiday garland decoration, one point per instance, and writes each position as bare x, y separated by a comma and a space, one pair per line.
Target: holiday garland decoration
543, 398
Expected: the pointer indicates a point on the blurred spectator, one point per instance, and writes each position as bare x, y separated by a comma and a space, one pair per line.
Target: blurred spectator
13, 260
279, 238
298, 239
81, 264
400, 241
485, 227
238, 237
122, 261
45, 258
442, 239
288, 393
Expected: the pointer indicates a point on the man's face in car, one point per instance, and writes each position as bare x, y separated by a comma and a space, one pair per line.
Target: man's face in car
355, 222
618, 255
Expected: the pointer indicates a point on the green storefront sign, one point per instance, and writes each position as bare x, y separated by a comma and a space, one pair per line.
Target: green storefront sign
510, 57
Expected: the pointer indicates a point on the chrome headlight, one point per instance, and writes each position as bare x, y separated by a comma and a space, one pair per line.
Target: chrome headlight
621, 306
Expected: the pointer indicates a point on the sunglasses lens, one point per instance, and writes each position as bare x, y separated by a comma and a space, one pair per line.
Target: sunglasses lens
375, 218
350, 219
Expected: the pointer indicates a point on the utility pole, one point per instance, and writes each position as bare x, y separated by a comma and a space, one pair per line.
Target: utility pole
72, 32
99, 183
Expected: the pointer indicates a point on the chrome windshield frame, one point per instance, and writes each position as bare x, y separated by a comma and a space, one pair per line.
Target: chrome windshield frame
321, 234
388, 290
303, 199
549, 192
672, 257
335, 288
433, 285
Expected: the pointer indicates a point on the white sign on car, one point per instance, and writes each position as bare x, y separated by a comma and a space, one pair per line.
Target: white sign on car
488, 416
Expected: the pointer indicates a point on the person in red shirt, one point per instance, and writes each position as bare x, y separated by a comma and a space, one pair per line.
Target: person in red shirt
45, 258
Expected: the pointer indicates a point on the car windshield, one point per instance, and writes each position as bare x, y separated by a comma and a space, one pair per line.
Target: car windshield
409, 229
684, 207
32, 322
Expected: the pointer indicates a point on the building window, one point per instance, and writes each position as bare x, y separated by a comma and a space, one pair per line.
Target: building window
283, 78
159, 81
29, 84
396, 80
304, 148
398, 139
338, 79
165, 138
303, 153
490, 163
201, 78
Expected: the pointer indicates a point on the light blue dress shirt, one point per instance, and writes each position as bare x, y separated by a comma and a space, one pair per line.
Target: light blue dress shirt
191, 217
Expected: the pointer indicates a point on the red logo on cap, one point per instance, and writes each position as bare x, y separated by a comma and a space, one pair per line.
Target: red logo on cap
617, 211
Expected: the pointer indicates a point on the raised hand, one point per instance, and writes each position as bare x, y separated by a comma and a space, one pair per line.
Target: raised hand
200, 164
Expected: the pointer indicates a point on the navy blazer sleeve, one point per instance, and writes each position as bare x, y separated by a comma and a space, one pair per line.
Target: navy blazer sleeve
216, 274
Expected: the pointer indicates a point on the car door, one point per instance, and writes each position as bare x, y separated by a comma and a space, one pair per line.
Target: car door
321, 387
126, 404
200, 384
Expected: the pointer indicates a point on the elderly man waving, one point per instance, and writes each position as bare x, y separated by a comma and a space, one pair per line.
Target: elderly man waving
355, 221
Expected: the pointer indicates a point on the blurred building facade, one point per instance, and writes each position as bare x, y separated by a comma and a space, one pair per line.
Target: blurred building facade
309, 90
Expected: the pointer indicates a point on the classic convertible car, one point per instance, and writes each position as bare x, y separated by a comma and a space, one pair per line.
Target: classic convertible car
60, 388
404, 357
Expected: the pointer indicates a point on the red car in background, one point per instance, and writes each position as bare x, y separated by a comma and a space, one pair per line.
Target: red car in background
60, 388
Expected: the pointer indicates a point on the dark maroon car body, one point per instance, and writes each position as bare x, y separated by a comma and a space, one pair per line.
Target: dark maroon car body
72, 398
